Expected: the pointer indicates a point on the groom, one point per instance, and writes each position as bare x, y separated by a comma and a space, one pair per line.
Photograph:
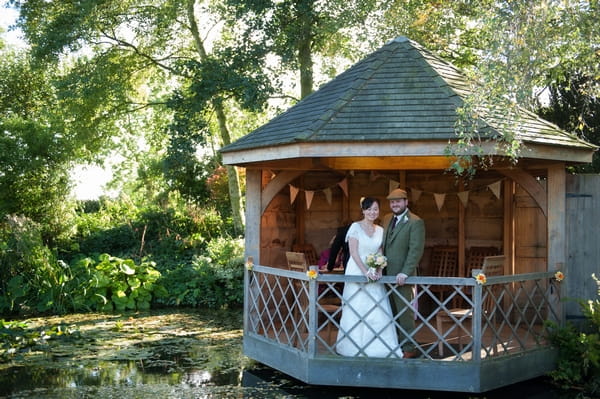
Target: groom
403, 243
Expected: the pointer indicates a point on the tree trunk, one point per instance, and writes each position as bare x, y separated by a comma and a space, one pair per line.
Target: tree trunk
235, 195
305, 56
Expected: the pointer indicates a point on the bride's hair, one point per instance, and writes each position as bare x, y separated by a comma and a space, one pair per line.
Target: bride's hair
367, 202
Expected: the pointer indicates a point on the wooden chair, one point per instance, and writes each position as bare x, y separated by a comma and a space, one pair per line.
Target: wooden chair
475, 257
297, 261
492, 266
444, 263
309, 252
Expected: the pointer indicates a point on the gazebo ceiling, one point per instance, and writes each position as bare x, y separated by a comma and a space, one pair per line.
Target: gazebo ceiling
395, 109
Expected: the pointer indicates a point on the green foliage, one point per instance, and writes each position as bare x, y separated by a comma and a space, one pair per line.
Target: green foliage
112, 283
214, 281
575, 107
127, 229
31, 278
34, 148
579, 350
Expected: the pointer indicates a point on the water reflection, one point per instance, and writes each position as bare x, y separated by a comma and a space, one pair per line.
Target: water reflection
184, 355
130, 380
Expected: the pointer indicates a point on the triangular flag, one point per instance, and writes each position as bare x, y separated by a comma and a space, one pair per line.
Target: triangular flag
344, 186
463, 196
393, 184
415, 194
495, 187
374, 175
327, 192
439, 200
293, 193
309, 197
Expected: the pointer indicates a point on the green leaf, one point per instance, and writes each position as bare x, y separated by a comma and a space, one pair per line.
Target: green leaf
127, 269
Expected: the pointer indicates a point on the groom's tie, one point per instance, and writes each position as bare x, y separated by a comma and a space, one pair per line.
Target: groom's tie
394, 222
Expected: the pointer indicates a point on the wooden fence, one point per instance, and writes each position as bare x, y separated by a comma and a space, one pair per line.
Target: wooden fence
583, 241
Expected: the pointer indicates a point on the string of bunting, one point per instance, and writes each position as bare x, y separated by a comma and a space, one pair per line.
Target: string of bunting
309, 194
439, 198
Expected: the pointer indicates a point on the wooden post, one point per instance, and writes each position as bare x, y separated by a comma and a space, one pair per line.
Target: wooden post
253, 213
557, 221
508, 244
461, 235
557, 237
300, 213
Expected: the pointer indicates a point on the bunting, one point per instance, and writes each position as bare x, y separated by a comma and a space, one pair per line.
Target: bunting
439, 200
293, 193
415, 193
344, 186
463, 196
327, 192
392, 185
374, 176
495, 188
309, 197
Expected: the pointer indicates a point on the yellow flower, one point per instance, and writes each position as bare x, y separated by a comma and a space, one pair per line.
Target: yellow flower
559, 276
312, 274
249, 265
481, 279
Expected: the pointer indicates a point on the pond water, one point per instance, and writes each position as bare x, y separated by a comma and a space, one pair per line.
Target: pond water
179, 354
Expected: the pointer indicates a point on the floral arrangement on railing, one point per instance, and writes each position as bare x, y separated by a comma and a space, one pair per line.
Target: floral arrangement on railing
480, 278
374, 262
250, 263
559, 276
312, 274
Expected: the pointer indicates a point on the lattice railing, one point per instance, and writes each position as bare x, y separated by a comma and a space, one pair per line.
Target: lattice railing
505, 316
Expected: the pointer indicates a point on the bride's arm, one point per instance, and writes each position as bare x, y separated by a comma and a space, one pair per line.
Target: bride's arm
353, 247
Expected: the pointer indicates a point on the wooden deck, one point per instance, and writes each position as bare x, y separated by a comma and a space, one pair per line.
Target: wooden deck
287, 327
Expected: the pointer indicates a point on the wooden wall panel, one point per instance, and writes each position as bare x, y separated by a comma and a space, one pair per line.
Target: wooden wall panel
530, 235
583, 249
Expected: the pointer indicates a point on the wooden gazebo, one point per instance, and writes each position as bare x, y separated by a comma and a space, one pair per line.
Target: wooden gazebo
387, 122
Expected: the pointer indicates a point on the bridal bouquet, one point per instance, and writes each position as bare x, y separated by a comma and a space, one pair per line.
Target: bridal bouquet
375, 261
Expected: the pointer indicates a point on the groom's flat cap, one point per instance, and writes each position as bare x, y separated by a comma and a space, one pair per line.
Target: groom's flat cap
397, 194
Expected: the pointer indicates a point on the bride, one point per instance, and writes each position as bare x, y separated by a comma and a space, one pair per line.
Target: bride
366, 327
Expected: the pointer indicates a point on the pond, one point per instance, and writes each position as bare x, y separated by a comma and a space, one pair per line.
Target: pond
177, 354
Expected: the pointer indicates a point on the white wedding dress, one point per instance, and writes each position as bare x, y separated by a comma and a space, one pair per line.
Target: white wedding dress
366, 327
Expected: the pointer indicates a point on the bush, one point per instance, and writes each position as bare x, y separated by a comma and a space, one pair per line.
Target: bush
31, 278
579, 350
214, 281
112, 283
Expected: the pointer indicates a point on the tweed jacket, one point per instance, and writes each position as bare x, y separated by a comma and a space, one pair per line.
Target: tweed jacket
403, 246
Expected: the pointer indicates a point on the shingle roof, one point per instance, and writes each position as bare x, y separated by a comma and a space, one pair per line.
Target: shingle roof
399, 92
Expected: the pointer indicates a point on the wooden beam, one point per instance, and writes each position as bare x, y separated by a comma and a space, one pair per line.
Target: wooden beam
529, 184
253, 214
275, 185
356, 163
388, 163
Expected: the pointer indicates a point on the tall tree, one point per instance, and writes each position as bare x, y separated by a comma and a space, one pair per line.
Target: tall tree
160, 49
574, 106
298, 31
35, 151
